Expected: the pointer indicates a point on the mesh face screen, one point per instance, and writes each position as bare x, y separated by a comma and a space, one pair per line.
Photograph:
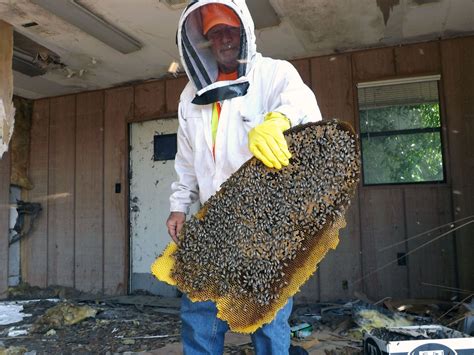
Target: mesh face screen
259, 238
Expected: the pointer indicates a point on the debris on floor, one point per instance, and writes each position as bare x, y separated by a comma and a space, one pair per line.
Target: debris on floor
432, 339
89, 324
14, 350
341, 328
24, 291
61, 315
11, 313
147, 324
368, 319
468, 318
301, 330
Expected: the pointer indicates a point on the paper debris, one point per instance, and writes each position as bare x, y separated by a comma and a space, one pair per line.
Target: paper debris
11, 313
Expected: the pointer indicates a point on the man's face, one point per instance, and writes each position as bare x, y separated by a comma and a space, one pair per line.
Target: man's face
225, 45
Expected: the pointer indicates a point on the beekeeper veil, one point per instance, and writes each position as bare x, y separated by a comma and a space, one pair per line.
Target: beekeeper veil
198, 59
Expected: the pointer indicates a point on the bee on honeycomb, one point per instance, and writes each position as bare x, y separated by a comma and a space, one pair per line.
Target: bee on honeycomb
259, 238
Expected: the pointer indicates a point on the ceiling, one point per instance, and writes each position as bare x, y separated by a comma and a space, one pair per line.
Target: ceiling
73, 60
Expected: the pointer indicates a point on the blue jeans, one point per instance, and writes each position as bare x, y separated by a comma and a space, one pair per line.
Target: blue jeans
203, 333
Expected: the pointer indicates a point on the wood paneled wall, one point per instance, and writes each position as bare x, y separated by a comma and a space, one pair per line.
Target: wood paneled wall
458, 73
383, 220
116, 106
34, 250
79, 157
79, 167
392, 215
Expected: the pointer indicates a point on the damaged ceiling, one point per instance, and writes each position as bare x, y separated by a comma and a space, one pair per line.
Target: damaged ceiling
72, 60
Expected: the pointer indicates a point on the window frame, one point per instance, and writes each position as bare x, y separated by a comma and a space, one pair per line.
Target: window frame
442, 129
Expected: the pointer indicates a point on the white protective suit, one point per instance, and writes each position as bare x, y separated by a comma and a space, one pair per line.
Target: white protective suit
263, 85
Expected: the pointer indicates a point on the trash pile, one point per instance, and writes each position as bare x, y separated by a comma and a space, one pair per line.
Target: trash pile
333, 328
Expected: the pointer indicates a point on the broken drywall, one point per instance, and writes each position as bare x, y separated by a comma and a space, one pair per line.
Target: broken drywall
43, 58
7, 110
20, 144
325, 25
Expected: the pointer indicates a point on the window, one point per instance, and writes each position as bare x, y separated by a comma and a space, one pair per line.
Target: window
400, 131
165, 147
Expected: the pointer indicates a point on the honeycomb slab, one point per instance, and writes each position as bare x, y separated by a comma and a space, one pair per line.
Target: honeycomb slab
260, 237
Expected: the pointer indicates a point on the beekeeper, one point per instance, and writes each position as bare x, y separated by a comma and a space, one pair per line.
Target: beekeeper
236, 105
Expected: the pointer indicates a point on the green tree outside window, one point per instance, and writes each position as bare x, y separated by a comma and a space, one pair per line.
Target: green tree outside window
401, 144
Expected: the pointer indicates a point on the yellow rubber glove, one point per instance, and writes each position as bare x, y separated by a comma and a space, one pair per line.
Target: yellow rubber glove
267, 143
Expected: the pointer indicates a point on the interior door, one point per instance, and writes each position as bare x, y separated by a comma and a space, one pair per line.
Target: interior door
152, 172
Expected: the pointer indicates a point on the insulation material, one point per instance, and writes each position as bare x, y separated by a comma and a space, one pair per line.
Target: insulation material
20, 144
7, 111
260, 237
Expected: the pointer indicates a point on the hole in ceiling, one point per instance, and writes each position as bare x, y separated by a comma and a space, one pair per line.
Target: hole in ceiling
29, 24
31, 58
423, 2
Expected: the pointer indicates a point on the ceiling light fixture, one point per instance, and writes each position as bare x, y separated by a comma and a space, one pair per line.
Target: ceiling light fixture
79, 16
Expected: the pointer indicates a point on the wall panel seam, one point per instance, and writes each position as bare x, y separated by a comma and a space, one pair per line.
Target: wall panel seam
405, 233
104, 93
74, 193
47, 200
449, 167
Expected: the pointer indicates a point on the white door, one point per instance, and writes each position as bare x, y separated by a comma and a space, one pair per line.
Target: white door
150, 188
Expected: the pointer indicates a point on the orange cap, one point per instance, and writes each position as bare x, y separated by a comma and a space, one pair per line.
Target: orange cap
218, 14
